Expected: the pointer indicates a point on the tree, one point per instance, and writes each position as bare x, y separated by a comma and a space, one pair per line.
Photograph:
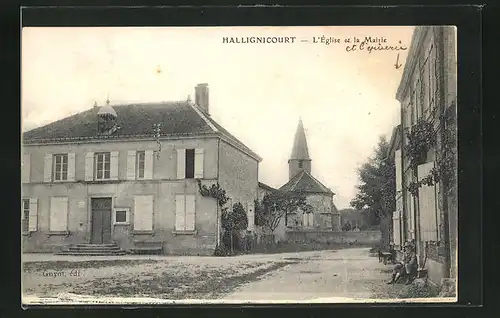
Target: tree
376, 194
275, 205
234, 221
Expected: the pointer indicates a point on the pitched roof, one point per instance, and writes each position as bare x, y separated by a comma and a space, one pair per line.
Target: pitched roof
265, 186
299, 150
136, 120
305, 182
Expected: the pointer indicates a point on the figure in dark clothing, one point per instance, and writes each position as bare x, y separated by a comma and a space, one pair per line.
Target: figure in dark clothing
407, 267
347, 226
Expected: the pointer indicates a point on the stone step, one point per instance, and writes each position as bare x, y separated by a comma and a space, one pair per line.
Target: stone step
93, 248
92, 253
96, 245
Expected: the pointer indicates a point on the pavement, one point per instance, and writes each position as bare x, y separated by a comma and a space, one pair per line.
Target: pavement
344, 274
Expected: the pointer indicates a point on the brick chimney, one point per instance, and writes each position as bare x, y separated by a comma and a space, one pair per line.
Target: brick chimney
201, 97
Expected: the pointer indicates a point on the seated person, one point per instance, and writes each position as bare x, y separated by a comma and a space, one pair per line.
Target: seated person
407, 267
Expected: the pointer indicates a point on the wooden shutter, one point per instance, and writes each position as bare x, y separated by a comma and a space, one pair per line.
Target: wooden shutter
26, 168
190, 220
397, 163
180, 211
148, 164
198, 163
71, 166
89, 166
47, 171
131, 165
427, 205
251, 216
181, 163
113, 173
396, 237
58, 214
143, 213
33, 216
412, 216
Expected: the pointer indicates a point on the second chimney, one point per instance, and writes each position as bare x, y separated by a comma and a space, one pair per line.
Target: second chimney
201, 97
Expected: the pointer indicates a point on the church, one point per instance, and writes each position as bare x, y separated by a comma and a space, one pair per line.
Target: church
325, 215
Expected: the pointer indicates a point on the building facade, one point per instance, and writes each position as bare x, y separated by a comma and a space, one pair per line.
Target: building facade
325, 215
426, 200
128, 174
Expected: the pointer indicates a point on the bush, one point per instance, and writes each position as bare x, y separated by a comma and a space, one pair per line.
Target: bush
417, 291
221, 250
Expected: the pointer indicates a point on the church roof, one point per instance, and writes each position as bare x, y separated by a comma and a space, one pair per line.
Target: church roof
177, 119
107, 110
305, 182
300, 150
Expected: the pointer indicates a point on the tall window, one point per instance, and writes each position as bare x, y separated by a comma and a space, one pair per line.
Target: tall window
190, 163
141, 157
61, 167
103, 165
301, 164
26, 215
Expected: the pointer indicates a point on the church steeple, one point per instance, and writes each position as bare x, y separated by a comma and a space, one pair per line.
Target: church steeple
299, 159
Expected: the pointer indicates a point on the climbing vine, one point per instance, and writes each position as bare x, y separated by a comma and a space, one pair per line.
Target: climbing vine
421, 138
214, 191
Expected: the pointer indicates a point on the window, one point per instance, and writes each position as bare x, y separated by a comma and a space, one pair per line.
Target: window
58, 214
301, 163
103, 165
185, 213
61, 167
189, 163
121, 216
308, 219
26, 215
141, 160
143, 212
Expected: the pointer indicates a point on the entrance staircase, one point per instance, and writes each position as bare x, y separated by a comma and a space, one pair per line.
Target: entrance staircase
93, 250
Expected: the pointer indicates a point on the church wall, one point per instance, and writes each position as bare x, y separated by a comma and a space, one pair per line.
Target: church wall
365, 238
322, 205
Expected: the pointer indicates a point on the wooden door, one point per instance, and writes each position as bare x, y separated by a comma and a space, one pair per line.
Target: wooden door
101, 221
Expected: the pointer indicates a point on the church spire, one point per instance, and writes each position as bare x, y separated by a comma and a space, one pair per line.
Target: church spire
299, 159
300, 151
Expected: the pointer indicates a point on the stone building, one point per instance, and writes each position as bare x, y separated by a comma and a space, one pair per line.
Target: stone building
325, 215
427, 94
126, 174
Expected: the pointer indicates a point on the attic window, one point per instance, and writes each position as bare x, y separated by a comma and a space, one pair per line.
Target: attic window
301, 164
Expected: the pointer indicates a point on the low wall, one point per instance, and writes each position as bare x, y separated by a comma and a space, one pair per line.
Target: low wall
330, 237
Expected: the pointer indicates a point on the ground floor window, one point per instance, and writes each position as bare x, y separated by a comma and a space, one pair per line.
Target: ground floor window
308, 219
58, 214
25, 215
143, 213
121, 216
185, 212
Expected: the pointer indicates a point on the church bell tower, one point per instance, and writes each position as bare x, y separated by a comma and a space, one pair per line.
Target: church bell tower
299, 159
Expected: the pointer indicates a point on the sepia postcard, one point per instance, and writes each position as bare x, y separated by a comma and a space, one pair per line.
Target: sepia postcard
239, 165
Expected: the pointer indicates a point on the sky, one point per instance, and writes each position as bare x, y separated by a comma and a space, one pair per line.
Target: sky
258, 91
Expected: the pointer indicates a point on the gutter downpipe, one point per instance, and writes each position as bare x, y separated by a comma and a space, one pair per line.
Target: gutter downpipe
217, 239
